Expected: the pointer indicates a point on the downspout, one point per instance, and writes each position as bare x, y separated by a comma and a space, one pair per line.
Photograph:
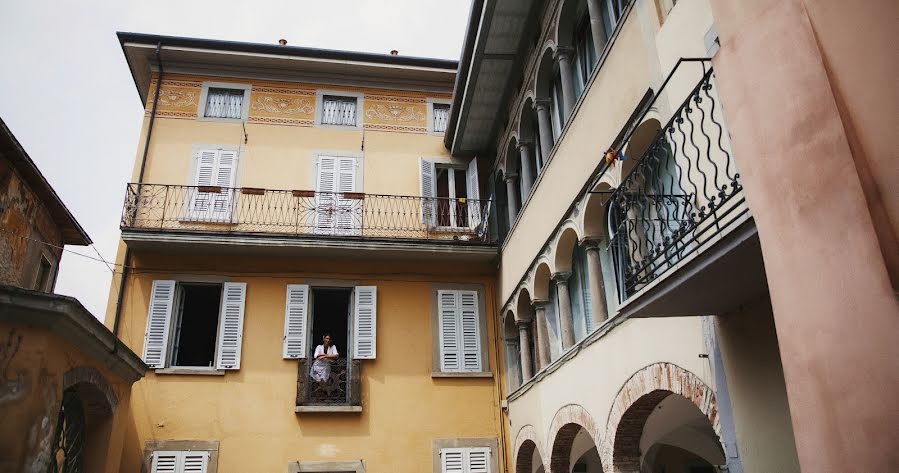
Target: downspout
140, 180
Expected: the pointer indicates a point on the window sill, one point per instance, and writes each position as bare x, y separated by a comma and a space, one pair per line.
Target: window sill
308, 409
462, 374
454, 230
191, 371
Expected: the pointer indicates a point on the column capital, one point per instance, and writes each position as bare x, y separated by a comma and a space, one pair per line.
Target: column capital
522, 324
563, 52
525, 144
561, 277
510, 177
539, 303
542, 104
590, 243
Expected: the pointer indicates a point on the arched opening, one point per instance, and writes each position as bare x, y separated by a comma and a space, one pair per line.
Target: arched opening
575, 31
528, 459
549, 88
501, 206
666, 432
525, 312
83, 424
579, 292
574, 450
529, 132
596, 229
512, 350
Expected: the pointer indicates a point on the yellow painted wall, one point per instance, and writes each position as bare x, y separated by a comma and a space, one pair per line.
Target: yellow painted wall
31, 389
251, 411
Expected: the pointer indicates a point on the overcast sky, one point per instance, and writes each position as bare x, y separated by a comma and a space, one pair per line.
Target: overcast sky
67, 94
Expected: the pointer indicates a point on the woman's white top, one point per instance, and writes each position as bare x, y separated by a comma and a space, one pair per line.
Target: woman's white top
320, 350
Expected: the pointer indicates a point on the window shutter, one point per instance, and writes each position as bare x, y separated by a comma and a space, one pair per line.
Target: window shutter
295, 317
452, 460
194, 462
471, 331
234, 296
474, 207
365, 322
159, 321
165, 462
428, 192
325, 187
478, 460
450, 351
224, 178
201, 202
349, 215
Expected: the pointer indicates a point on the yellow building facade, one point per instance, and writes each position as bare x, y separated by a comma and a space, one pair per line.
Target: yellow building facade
300, 228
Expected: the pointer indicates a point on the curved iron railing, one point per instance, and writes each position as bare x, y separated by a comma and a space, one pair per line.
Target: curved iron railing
683, 191
298, 212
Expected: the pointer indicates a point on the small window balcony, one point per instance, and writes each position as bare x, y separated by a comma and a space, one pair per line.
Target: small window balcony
329, 385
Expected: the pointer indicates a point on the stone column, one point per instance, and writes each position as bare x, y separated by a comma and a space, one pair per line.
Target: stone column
566, 323
597, 27
512, 198
527, 169
544, 123
595, 283
566, 75
543, 353
524, 342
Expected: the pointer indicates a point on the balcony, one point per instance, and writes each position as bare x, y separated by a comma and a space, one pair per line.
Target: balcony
194, 218
682, 237
337, 388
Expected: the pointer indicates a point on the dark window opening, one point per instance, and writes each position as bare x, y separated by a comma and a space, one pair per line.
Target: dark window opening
44, 276
196, 329
330, 314
451, 187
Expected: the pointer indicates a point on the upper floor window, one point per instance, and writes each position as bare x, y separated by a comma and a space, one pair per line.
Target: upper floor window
441, 117
338, 110
224, 101
465, 460
611, 13
450, 194
44, 280
460, 329
585, 53
179, 462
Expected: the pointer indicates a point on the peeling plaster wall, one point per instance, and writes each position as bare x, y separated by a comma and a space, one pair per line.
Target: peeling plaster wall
23, 219
32, 367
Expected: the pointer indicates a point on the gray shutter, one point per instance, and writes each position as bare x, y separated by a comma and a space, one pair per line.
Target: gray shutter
296, 321
365, 318
159, 322
471, 331
231, 325
428, 192
474, 207
448, 331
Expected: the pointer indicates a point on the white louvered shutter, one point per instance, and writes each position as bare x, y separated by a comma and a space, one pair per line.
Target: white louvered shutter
159, 322
474, 195
452, 460
225, 168
478, 460
450, 346
325, 187
365, 308
295, 321
349, 211
201, 202
194, 462
165, 462
234, 296
428, 192
471, 331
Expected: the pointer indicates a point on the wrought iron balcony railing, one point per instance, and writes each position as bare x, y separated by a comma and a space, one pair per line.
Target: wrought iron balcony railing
337, 385
263, 211
683, 192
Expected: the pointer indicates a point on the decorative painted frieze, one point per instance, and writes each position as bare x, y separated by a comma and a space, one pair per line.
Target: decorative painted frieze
392, 113
282, 106
177, 99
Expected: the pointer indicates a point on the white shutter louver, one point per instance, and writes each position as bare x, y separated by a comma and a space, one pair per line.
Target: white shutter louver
224, 178
325, 187
159, 321
365, 307
428, 192
348, 216
194, 462
231, 325
471, 331
450, 351
295, 321
474, 195
165, 462
452, 460
478, 460
201, 202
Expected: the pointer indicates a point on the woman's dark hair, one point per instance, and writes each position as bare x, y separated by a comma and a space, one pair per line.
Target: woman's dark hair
326, 334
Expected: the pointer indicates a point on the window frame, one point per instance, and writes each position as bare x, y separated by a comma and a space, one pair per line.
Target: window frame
245, 104
492, 444
319, 110
451, 198
177, 314
53, 264
209, 446
436, 370
430, 114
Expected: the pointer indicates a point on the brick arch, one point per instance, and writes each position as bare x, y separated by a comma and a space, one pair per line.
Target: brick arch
525, 443
636, 401
564, 428
92, 387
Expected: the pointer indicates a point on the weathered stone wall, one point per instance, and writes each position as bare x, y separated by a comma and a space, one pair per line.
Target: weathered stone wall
23, 222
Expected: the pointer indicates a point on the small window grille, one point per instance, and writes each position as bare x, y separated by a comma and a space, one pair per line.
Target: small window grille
338, 110
441, 117
224, 103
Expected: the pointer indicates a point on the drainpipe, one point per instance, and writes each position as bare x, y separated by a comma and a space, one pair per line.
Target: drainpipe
140, 180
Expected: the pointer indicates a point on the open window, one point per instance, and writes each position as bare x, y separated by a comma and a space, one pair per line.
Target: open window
451, 195
194, 325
